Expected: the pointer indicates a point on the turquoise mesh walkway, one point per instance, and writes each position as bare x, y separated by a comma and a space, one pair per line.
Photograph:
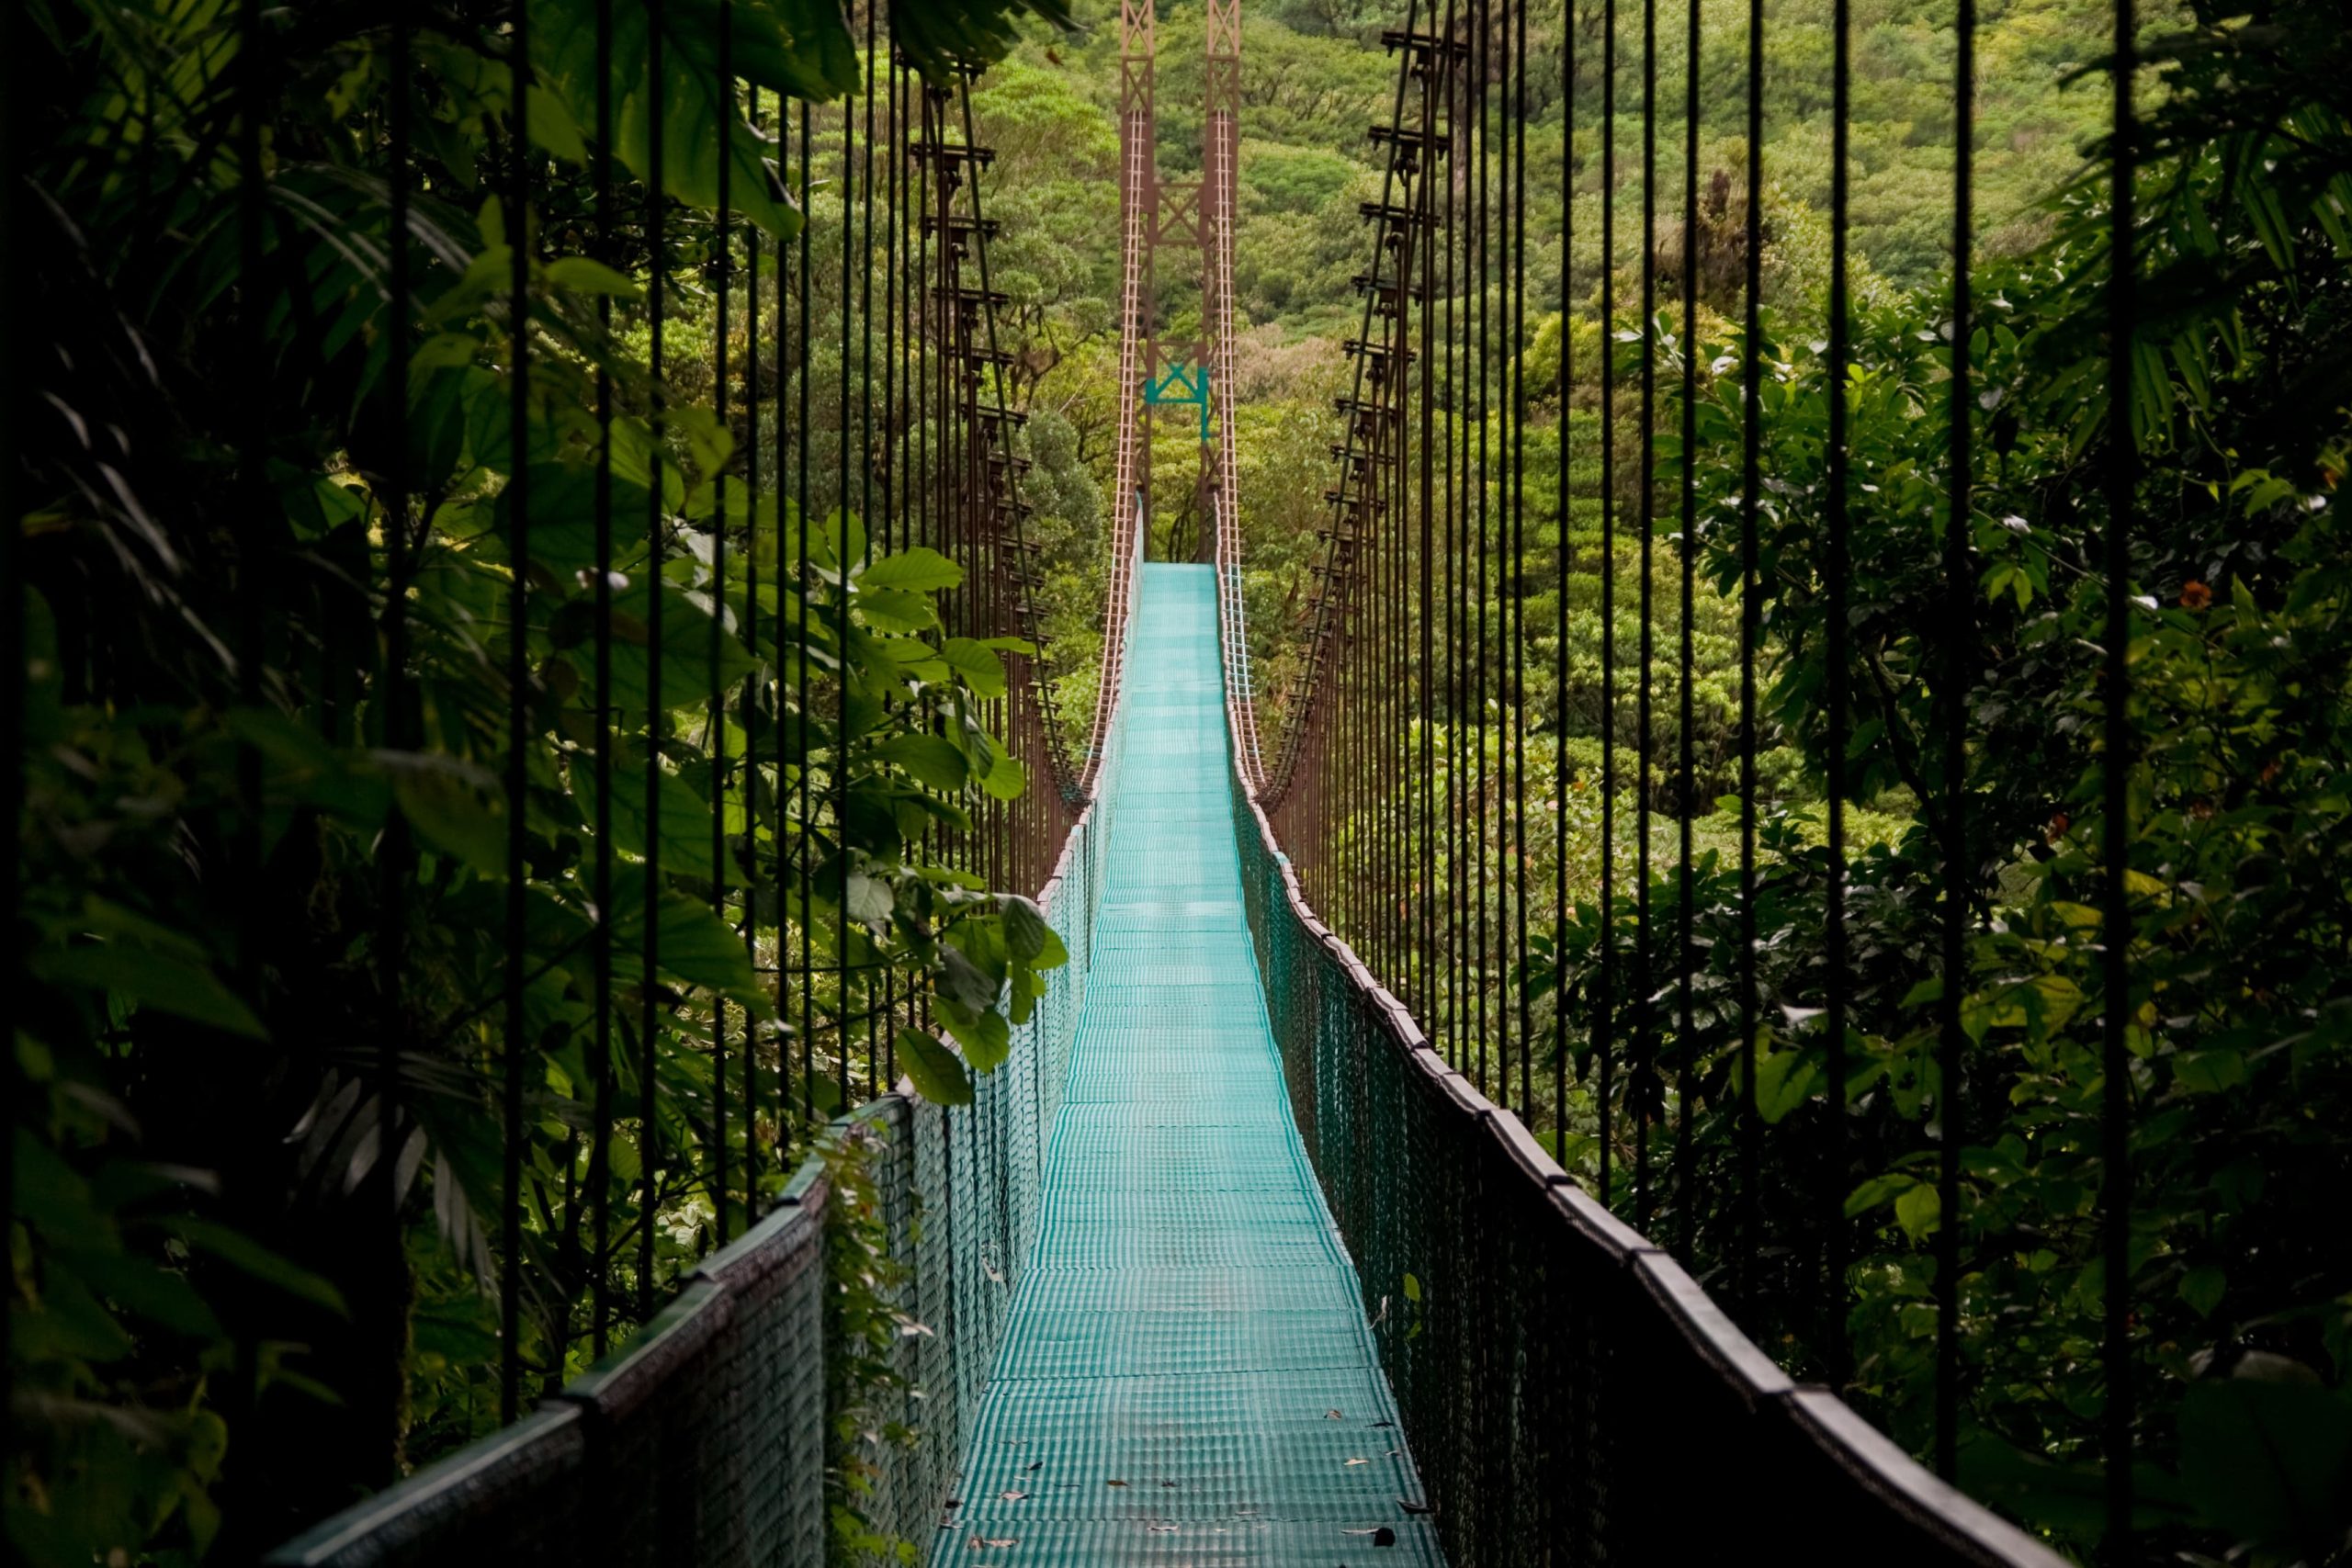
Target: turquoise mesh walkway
1187, 1376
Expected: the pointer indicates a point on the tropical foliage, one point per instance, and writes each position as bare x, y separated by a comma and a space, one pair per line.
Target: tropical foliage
283, 715
2242, 1327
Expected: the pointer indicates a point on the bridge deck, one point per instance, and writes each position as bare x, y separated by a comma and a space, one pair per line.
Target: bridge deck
1187, 1375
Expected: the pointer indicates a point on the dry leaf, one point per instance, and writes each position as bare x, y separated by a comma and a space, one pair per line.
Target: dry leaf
1355, 1462
1412, 1507
1116, 1483
1333, 1416
1013, 1497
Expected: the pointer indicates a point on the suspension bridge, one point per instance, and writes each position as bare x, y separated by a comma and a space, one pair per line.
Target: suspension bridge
1255, 1246
1227, 1264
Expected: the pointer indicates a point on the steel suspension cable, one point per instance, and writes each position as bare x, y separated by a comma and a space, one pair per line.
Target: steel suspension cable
749, 704
1604, 1007
1566, 559
1836, 569
715, 713
1489, 756
1751, 628
1959, 896
599, 1182
517, 1043
892, 458
16, 405
396, 862
656, 549
1428, 990
2122, 480
1686, 1088
805, 866
1518, 135
837, 787
1644, 1042
1458, 728
866, 516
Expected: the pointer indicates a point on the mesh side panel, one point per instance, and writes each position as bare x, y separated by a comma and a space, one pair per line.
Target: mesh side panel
773, 1443
657, 1462
515, 1497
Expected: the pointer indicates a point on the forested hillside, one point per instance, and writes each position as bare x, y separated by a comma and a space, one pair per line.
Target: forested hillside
1313, 81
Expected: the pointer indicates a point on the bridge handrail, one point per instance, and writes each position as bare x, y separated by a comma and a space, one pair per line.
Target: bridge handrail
706, 1437
1233, 636
1559, 1374
1119, 593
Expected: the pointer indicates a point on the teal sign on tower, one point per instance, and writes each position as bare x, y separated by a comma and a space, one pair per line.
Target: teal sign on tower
1183, 384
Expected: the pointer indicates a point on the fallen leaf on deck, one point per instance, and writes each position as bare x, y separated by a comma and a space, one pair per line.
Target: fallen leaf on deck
1115, 1483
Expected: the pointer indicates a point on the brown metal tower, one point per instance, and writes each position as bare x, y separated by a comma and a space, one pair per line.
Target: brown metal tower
1155, 370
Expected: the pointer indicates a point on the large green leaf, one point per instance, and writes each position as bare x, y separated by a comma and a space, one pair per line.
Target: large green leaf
143, 977
2270, 1460
563, 520
455, 807
1026, 934
692, 945
803, 50
986, 1037
1006, 779
685, 635
932, 761
685, 816
239, 1251
936, 1071
921, 569
936, 35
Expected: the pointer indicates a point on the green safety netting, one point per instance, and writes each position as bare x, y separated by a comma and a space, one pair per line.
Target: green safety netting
1187, 1375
